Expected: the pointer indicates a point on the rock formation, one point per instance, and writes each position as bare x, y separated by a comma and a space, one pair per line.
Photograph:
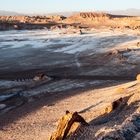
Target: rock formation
40, 77
67, 125
90, 19
69, 129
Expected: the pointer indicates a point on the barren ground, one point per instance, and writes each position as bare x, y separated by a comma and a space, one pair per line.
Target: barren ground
86, 72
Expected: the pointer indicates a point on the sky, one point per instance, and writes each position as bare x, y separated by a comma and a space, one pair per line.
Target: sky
49, 6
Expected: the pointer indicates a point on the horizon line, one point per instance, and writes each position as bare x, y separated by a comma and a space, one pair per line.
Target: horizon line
69, 11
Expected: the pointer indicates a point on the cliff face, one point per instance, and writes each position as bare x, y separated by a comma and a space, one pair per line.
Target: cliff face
88, 17
93, 15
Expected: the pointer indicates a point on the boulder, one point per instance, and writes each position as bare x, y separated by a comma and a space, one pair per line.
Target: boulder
138, 77
68, 124
138, 44
41, 77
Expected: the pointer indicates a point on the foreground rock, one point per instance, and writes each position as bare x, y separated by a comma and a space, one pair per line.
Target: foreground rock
138, 77
67, 125
118, 121
41, 77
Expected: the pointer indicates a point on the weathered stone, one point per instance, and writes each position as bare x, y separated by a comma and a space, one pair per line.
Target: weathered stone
138, 77
40, 77
67, 125
114, 105
138, 44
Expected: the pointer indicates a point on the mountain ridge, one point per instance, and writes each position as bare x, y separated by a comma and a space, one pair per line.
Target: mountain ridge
128, 12
9, 13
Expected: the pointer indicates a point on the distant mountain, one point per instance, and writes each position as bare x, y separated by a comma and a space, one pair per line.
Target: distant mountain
66, 14
8, 13
128, 12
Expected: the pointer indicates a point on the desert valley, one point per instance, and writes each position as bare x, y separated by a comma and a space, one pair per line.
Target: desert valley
70, 78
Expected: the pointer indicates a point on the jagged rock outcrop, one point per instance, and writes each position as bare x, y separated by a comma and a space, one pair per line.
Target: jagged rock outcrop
138, 77
93, 15
88, 17
41, 77
67, 125
138, 44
